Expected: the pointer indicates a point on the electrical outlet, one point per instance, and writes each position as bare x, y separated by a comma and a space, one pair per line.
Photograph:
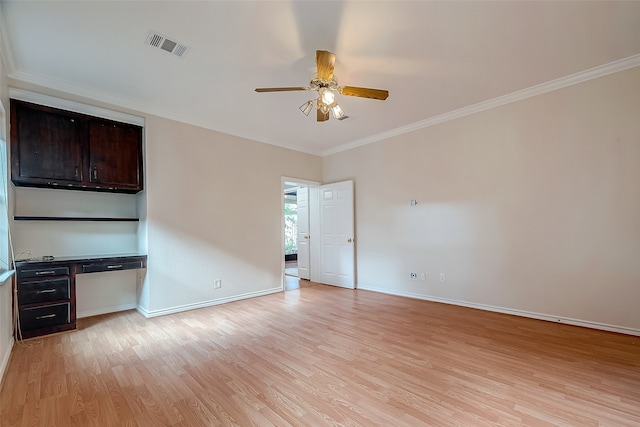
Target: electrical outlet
414, 276
423, 276
217, 284
443, 278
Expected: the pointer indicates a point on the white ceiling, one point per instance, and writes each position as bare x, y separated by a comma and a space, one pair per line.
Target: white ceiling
434, 57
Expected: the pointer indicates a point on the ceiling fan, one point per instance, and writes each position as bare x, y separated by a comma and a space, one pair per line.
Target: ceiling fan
326, 84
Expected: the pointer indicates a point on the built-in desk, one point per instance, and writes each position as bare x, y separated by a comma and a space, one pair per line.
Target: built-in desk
46, 289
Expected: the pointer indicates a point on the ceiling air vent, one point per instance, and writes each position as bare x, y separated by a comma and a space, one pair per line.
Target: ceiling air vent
160, 41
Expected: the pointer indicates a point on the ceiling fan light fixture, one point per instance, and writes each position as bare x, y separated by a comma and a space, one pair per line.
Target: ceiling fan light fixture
325, 83
327, 95
338, 113
322, 106
307, 107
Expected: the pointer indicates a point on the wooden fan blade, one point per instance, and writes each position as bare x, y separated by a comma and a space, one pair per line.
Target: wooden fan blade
323, 117
280, 89
325, 61
364, 92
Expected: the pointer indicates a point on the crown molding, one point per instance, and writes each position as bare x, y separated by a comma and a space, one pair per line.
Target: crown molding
573, 79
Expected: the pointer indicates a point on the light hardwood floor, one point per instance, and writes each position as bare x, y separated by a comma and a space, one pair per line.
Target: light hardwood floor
320, 356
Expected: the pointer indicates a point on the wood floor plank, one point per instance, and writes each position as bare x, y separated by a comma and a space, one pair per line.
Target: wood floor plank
323, 356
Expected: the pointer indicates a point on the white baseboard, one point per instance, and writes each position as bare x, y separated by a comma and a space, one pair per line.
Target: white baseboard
105, 310
522, 313
5, 361
187, 307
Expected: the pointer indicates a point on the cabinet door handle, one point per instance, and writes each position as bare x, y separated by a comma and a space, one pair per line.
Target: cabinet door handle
95, 173
114, 266
46, 291
45, 273
46, 316
76, 171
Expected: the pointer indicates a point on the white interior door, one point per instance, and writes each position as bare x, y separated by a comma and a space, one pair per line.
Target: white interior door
337, 256
303, 232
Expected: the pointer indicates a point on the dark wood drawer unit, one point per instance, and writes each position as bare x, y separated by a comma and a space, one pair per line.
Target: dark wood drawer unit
53, 148
46, 297
45, 272
50, 316
46, 290
111, 266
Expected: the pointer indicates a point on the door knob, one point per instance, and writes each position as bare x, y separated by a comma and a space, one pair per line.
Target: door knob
350, 240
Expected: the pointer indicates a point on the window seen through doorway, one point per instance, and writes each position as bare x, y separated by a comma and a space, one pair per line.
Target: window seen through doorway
290, 227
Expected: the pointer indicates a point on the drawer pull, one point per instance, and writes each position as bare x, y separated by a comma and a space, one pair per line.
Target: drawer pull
46, 316
46, 291
111, 267
45, 273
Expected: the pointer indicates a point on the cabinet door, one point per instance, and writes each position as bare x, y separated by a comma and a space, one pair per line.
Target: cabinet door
50, 146
115, 155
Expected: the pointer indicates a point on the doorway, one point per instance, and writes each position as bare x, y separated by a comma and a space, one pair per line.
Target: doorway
290, 208
296, 223
326, 213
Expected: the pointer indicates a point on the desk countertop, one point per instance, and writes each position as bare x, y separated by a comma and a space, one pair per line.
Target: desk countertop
78, 259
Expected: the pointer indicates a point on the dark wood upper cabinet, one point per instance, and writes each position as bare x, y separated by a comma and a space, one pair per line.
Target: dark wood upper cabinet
114, 154
50, 145
54, 148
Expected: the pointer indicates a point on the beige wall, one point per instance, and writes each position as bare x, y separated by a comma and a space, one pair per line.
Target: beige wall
533, 206
213, 211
